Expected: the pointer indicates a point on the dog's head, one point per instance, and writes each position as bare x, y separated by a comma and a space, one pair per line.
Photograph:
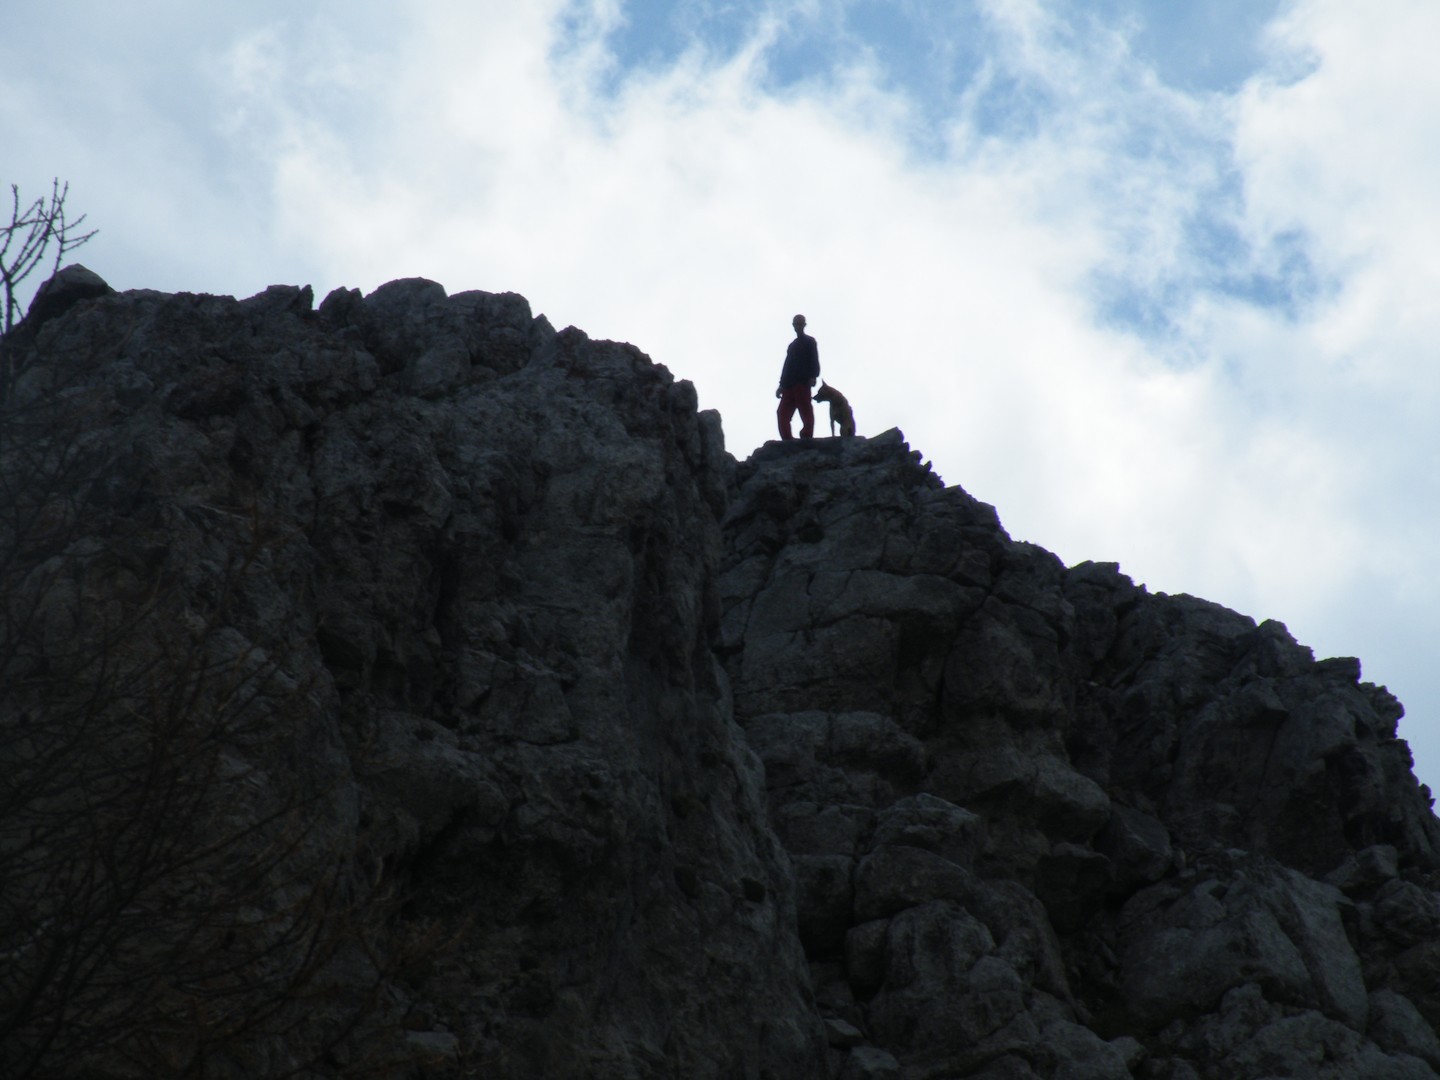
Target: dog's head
825, 393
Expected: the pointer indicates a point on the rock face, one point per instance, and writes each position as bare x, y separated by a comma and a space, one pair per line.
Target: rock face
481, 716
1044, 823
480, 558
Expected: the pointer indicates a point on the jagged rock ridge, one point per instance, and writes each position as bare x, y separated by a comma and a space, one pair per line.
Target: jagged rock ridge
526, 635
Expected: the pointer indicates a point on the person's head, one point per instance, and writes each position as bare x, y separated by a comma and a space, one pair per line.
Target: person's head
799, 323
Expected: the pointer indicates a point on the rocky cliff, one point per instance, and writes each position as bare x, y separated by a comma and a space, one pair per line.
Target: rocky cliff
402, 688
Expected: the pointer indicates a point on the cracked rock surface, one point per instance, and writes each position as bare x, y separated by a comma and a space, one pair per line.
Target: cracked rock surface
796, 767
1044, 823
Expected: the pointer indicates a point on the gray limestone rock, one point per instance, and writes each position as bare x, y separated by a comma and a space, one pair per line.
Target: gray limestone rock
1398, 1028
625, 759
1093, 742
61, 292
870, 1063
1261, 924
482, 554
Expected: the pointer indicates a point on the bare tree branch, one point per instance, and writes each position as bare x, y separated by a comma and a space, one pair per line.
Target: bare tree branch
170, 892
44, 233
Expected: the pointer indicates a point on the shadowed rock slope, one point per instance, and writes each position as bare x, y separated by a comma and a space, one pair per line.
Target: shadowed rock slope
492, 720
1044, 823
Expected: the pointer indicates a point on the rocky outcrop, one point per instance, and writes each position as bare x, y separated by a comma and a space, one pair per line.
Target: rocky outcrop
554, 742
479, 555
1045, 823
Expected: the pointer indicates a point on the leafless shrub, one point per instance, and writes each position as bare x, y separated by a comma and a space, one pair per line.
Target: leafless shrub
40, 231
170, 900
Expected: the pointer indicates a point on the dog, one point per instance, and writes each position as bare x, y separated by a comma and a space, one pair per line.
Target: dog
840, 412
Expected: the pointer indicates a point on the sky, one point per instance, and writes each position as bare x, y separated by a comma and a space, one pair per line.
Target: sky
1155, 280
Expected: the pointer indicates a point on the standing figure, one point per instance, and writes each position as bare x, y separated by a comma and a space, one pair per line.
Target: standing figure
802, 368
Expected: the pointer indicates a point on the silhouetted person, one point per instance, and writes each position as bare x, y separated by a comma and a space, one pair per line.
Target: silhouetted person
802, 368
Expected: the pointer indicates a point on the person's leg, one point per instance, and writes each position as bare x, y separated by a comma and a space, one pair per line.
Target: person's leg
807, 413
784, 412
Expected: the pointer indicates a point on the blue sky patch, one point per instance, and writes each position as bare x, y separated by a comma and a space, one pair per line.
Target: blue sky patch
1196, 47
953, 62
